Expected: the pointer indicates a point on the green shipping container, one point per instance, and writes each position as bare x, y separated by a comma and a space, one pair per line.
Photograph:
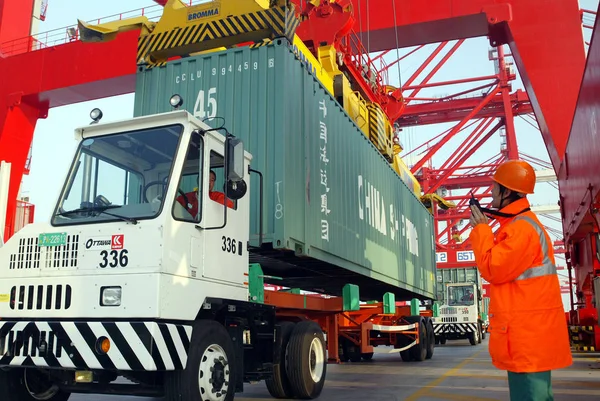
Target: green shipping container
335, 212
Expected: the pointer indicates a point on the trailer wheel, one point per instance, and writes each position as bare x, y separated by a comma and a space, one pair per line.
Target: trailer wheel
306, 360
351, 351
210, 373
367, 356
279, 384
430, 338
419, 351
29, 384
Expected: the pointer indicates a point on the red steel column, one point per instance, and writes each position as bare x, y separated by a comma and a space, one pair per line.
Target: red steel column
15, 19
17, 124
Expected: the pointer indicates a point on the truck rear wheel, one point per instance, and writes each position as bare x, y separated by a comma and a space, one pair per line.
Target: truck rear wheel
29, 384
306, 362
430, 338
279, 384
210, 373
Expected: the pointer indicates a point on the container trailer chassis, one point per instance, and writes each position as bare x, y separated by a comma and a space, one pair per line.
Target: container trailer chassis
171, 305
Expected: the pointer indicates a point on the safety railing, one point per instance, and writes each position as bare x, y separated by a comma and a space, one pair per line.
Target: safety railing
68, 34
363, 62
24, 214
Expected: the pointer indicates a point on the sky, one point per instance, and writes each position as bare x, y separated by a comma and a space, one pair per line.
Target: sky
49, 167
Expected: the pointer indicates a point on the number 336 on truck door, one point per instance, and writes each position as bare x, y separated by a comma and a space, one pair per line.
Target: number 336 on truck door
113, 258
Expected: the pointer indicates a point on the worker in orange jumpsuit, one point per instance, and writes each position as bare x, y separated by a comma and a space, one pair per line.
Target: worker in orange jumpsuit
217, 196
192, 197
529, 335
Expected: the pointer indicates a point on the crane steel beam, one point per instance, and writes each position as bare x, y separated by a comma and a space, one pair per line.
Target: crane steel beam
545, 175
578, 178
66, 74
457, 109
534, 43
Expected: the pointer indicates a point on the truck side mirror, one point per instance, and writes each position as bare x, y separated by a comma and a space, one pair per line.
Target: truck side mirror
235, 159
236, 187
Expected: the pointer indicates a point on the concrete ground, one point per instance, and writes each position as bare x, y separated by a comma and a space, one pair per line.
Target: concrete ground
457, 371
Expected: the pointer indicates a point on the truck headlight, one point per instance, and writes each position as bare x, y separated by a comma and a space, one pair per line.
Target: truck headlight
110, 296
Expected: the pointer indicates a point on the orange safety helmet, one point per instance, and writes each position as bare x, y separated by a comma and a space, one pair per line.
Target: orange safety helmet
516, 175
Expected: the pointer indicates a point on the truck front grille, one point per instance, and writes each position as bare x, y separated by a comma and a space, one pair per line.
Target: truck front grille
30, 342
38, 297
31, 256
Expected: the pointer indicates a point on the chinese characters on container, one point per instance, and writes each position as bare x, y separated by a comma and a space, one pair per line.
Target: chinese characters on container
323, 171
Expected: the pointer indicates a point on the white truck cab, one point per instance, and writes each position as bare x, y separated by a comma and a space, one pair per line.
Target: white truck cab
459, 315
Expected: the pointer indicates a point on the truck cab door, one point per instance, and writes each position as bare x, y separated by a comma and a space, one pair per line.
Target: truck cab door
224, 223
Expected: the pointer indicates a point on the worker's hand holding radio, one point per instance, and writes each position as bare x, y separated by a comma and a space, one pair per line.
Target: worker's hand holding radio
477, 216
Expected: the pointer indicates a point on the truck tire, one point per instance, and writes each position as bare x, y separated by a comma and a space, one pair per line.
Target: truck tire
306, 360
430, 338
419, 351
279, 384
482, 331
209, 373
403, 341
367, 356
351, 351
29, 384
473, 337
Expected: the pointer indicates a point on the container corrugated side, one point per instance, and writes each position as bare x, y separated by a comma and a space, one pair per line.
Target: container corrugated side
330, 197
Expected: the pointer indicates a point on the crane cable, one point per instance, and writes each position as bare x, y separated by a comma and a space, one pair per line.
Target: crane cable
397, 47
398, 67
360, 21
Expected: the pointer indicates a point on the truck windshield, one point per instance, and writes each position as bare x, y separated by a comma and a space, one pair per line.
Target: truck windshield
119, 177
461, 295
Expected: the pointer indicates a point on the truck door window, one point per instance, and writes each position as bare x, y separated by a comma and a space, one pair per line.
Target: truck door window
461, 295
125, 172
187, 205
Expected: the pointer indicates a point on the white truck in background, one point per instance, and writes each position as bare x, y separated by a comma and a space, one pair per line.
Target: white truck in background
461, 304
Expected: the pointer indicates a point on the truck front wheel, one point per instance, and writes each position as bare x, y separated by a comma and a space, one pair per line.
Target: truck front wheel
474, 337
29, 384
210, 373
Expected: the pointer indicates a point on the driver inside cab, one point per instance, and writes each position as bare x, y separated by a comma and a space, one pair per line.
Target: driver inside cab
192, 197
